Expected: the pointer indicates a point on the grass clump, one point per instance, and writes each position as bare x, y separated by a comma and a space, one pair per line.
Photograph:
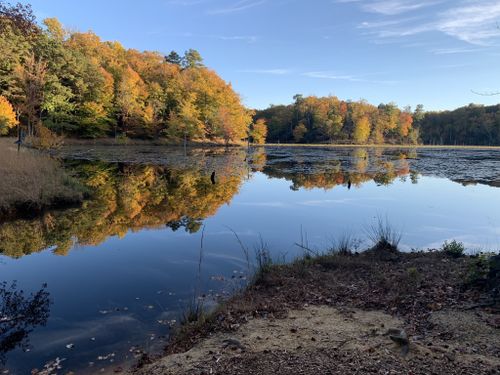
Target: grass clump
32, 181
384, 236
343, 245
194, 312
264, 261
453, 249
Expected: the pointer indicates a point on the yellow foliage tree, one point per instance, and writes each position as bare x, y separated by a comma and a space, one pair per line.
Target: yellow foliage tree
259, 131
186, 123
8, 118
362, 130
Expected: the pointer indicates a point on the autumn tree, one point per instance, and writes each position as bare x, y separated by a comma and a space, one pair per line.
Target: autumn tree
329, 119
299, 132
192, 59
258, 132
405, 123
186, 122
18, 32
31, 77
362, 130
8, 118
129, 98
77, 84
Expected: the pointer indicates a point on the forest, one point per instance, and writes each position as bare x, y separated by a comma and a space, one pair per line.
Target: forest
56, 82
331, 120
470, 125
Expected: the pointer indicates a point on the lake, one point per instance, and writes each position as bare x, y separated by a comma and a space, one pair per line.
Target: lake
160, 230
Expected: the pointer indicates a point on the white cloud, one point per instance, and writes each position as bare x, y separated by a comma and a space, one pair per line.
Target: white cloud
452, 51
237, 6
263, 204
330, 75
474, 23
187, 2
245, 38
242, 38
267, 71
393, 7
344, 77
471, 22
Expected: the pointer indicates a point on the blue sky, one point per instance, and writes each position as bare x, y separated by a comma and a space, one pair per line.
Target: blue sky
433, 52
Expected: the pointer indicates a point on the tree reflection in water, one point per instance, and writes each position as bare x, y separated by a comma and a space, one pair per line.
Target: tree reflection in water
20, 314
179, 193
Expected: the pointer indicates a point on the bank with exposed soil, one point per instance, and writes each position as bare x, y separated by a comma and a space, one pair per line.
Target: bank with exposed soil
376, 312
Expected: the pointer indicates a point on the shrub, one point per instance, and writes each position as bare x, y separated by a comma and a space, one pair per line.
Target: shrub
453, 249
343, 245
479, 269
46, 139
194, 312
383, 235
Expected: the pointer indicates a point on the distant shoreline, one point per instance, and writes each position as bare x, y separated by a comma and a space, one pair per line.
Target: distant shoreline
342, 145
215, 143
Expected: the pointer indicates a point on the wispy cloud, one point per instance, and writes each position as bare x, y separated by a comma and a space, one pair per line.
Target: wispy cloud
471, 22
393, 7
267, 71
243, 38
474, 23
187, 2
330, 75
276, 204
237, 6
452, 51
344, 77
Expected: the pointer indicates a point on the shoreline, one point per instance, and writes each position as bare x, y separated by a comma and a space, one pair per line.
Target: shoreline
332, 145
376, 311
194, 144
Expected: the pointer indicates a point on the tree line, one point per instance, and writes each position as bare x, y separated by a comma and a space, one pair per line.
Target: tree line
328, 119
332, 120
73, 83
470, 125
53, 81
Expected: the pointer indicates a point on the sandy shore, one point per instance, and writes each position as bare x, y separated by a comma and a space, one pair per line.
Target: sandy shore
375, 312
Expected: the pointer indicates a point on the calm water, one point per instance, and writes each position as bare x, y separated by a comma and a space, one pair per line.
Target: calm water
119, 269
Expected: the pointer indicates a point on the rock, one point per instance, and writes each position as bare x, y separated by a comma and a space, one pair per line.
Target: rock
400, 337
233, 344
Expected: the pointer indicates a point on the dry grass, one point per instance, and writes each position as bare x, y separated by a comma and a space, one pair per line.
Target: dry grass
31, 181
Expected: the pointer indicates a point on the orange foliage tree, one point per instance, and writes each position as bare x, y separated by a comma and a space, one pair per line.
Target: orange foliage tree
8, 118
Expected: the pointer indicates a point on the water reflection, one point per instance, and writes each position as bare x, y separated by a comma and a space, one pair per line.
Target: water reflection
133, 249
19, 316
352, 171
125, 197
153, 190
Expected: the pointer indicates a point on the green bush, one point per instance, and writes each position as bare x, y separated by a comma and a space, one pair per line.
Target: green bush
453, 249
479, 269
